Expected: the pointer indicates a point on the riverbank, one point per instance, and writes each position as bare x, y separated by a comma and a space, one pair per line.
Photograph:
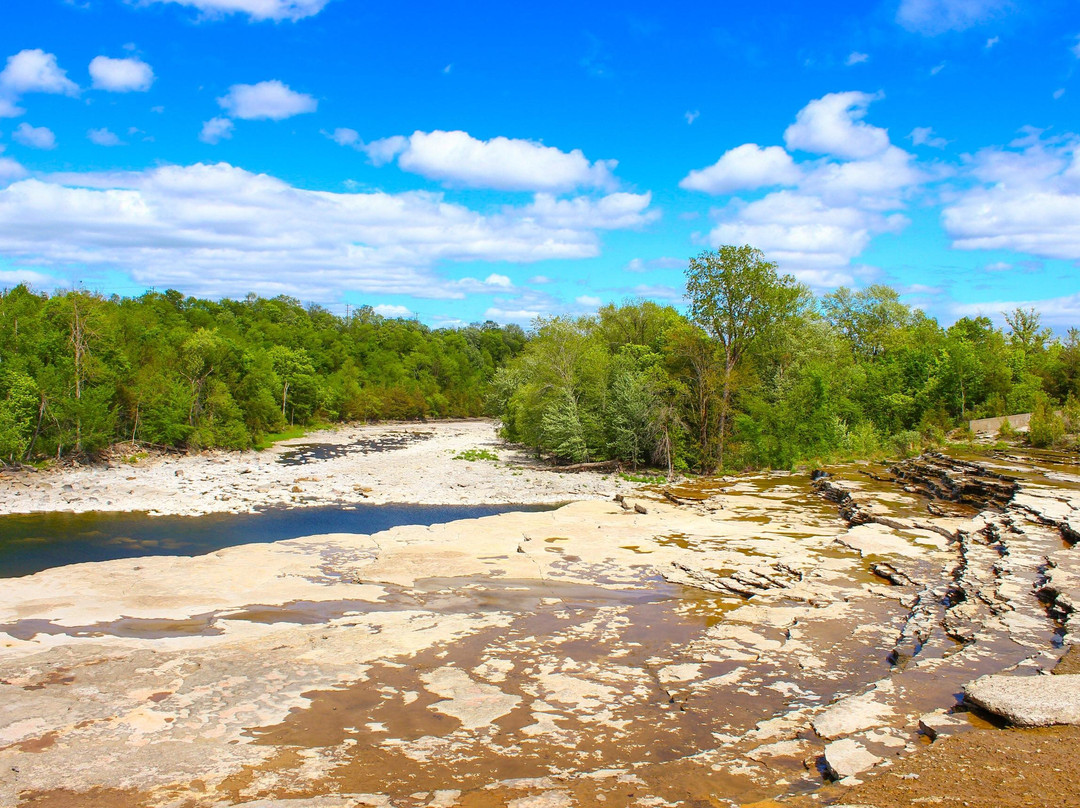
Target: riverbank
378, 464
726, 650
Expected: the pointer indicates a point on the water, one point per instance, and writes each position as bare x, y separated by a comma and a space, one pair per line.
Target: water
34, 542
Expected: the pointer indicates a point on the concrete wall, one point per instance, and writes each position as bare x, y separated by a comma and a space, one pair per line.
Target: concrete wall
990, 426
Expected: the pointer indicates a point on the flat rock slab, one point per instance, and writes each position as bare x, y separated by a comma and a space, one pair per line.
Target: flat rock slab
847, 757
1028, 701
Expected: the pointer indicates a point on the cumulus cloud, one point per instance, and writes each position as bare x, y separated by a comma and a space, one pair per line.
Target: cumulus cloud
933, 17
1059, 312
834, 205
267, 100
856, 58
35, 71
104, 137
10, 169
216, 130
833, 125
217, 230
343, 136
387, 310
745, 167
36, 137
501, 163
1027, 200
924, 136
255, 9
806, 235
121, 75
589, 301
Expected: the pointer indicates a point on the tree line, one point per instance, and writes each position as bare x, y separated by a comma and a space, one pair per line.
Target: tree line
758, 373
761, 373
79, 371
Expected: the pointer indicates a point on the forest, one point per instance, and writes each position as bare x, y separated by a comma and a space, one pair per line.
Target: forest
79, 371
757, 373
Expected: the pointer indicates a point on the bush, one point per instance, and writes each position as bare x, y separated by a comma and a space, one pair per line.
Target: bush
1046, 428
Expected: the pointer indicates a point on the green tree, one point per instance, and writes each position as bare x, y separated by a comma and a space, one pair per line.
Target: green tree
739, 298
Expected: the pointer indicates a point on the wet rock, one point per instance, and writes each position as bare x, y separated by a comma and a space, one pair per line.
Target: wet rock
847, 757
1028, 701
940, 723
939, 477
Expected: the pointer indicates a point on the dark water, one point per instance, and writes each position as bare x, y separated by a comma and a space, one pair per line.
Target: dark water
34, 542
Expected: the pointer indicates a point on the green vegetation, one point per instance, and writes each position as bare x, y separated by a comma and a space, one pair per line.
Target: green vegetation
476, 454
762, 374
655, 479
79, 371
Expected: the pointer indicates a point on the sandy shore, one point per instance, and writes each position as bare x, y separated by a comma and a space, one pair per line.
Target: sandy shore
411, 463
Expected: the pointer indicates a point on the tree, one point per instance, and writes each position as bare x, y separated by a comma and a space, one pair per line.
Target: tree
738, 298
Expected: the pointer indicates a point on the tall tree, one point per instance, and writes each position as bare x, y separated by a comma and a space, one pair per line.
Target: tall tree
738, 298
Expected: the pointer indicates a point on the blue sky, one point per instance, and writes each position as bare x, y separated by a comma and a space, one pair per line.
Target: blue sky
469, 161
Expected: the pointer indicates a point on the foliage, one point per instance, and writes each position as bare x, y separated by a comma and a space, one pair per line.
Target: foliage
79, 371
761, 374
1046, 427
476, 454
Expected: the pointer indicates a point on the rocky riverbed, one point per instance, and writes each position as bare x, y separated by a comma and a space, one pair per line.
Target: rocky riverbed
403, 462
722, 642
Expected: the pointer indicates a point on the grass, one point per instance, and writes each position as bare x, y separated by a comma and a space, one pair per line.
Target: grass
652, 479
476, 454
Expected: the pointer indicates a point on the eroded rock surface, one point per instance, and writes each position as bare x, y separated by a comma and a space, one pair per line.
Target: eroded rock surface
1028, 701
732, 643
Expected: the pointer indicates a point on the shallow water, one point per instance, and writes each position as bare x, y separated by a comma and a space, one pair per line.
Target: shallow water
30, 543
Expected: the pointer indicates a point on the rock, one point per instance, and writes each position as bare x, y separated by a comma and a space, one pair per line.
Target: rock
1028, 701
847, 757
938, 723
852, 714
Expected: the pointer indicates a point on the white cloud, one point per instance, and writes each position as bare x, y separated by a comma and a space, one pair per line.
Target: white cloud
539, 279
590, 301
36, 137
501, 315
745, 167
256, 9
837, 205
381, 152
104, 137
833, 125
387, 310
1058, 93
992, 41
1059, 312
616, 211
805, 235
9, 109
934, 17
937, 68
1076, 47
664, 262
501, 163
121, 75
267, 100
1028, 201
217, 230
343, 136
35, 71
10, 169
216, 130
13, 277
924, 136
691, 116
856, 58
